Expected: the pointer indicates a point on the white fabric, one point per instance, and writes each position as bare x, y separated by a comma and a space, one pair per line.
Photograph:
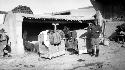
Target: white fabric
46, 39
82, 51
81, 42
106, 42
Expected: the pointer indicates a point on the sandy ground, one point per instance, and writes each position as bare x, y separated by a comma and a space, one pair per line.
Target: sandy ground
111, 58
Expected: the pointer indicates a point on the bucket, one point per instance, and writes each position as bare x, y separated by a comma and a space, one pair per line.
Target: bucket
106, 42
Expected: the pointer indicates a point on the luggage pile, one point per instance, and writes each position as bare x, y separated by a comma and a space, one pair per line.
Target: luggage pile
51, 43
72, 42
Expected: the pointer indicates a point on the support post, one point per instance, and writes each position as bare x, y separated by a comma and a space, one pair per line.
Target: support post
55, 26
19, 41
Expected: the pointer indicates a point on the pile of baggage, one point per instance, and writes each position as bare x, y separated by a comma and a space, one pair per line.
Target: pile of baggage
51, 43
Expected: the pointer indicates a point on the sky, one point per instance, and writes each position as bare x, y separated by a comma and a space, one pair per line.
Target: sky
44, 6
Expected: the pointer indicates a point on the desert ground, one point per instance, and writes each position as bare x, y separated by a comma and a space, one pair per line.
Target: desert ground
111, 57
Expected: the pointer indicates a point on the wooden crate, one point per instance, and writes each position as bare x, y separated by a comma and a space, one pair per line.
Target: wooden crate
47, 50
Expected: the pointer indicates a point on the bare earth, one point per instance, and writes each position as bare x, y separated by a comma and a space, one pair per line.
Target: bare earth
110, 58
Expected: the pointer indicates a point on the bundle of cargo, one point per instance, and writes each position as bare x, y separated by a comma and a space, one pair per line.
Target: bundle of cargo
72, 42
51, 44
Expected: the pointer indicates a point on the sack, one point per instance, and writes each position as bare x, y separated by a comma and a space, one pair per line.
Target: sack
7, 48
51, 39
57, 38
74, 34
61, 34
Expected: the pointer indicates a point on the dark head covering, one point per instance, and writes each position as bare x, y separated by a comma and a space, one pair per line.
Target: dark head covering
2, 31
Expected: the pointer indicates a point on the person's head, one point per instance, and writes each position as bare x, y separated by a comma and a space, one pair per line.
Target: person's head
2, 31
89, 24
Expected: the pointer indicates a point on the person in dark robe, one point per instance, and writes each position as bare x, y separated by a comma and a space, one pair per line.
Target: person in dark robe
96, 31
5, 48
88, 35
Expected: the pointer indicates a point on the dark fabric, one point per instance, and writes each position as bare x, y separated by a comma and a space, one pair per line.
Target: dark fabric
92, 53
97, 53
95, 41
89, 45
73, 43
68, 35
67, 32
96, 30
87, 34
92, 37
8, 48
7, 38
74, 34
28, 46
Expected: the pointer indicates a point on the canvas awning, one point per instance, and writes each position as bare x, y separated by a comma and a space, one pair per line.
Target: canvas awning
64, 17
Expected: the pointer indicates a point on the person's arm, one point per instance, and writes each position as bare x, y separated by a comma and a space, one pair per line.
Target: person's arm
83, 35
